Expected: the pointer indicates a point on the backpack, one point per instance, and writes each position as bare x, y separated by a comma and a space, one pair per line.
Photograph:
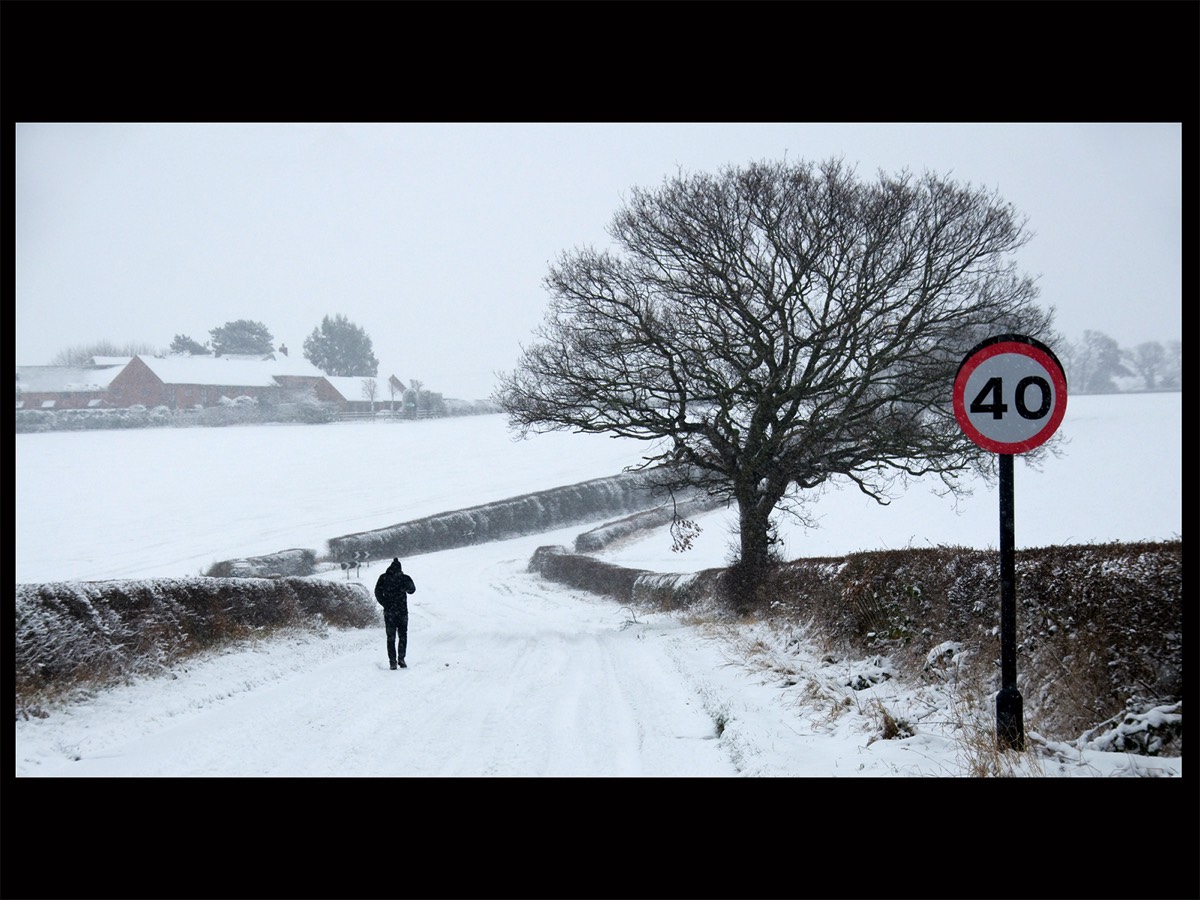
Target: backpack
394, 589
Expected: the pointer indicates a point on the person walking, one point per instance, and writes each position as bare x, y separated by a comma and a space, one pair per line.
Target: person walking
391, 592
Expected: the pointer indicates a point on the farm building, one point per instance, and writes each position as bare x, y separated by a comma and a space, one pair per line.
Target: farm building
188, 382
185, 382
65, 387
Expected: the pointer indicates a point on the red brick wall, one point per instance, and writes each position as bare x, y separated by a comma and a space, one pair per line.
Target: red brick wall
62, 399
136, 384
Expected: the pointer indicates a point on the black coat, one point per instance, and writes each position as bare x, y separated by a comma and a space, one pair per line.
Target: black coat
393, 587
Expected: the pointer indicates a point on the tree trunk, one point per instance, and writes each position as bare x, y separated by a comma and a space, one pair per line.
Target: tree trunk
747, 575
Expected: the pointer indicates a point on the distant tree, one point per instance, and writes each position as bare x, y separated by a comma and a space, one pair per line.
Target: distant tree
82, 355
184, 345
370, 389
339, 347
420, 402
773, 327
1146, 360
1092, 364
412, 397
395, 390
1172, 377
435, 403
242, 336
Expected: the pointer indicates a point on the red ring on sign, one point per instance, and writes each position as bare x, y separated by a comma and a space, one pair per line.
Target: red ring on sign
1044, 359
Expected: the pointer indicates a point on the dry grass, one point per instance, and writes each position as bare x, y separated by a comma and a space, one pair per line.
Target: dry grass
1099, 629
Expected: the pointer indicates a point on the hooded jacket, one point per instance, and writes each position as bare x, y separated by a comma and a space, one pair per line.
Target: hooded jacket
393, 587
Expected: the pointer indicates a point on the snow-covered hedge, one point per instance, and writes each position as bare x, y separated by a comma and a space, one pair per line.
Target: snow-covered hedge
97, 632
1099, 627
231, 413
272, 565
585, 572
542, 511
610, 532
40, 420
528, 514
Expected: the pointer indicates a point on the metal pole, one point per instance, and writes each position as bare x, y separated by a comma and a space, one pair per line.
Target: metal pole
1010, 723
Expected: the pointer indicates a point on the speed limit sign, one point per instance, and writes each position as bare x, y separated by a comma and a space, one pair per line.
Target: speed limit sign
1010, 394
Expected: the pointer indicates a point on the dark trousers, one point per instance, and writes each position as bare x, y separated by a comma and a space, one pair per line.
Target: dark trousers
395, 621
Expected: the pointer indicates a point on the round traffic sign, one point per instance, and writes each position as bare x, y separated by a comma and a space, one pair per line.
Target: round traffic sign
1010, 394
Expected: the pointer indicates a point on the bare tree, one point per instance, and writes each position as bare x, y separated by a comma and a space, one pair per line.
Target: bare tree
82, 355
1147, 361
1093, 362
370, 390
1173, 366
774, 326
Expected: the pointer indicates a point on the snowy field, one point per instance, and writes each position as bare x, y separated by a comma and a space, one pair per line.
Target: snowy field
171, 502
510, 675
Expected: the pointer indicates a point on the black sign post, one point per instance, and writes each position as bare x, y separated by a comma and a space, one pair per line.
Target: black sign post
1010, 395
1010, 709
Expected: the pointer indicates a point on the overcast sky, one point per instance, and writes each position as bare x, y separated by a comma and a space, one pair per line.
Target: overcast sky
435, 237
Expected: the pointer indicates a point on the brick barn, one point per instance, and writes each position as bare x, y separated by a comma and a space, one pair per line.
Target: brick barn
185, 382
188, 382
65, 387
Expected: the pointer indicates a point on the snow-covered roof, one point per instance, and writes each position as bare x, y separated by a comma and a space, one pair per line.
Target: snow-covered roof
351, 386
226, 371
281, 364
65, 379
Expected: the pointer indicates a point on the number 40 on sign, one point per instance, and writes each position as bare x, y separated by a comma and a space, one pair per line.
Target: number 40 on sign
1010, 394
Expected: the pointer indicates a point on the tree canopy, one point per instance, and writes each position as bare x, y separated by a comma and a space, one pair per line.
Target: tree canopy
1148, 361
242, 336
774, 326
1095, 360
339, 347
185, 345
